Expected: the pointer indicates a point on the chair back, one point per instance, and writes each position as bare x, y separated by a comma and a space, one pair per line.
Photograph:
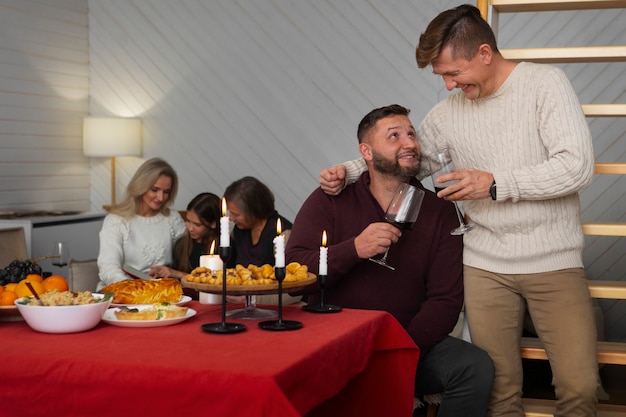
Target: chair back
83, 275
12, 245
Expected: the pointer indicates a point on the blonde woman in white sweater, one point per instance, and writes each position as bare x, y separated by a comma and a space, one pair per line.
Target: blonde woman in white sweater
520, 133
141, 230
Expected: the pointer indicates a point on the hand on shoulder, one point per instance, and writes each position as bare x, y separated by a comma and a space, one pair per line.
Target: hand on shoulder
332, 179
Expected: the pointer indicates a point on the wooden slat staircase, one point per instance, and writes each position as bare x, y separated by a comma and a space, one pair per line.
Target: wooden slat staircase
608, 352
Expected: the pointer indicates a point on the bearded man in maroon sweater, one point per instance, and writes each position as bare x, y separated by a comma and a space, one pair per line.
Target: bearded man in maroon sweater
425, 291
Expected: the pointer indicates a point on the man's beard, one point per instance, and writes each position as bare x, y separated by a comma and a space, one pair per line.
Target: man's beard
391, 167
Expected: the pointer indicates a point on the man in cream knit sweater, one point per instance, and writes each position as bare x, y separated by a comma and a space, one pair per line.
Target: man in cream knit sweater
519, 134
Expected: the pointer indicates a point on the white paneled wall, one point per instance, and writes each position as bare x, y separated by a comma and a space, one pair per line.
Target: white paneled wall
44, 86
273, 89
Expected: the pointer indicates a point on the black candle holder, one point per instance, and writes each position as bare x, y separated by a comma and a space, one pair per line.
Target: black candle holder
223, 327
280, 324
321, 307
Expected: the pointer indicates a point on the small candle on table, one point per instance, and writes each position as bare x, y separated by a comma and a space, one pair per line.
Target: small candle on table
224, 226
212, 261
279, 245
323, 269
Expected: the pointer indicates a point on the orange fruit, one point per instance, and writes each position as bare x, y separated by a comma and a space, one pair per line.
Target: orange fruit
34, 277
1, 289
23, 291
7, 298
55, 282
10, 286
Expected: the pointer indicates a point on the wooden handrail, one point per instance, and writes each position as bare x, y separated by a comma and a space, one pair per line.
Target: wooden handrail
617, 168
608, 352
581, 54
512, 6
604, 229
483, 6
534, 407
607, 289
604, 110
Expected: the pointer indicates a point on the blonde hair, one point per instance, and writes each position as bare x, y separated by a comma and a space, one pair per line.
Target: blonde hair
144, 178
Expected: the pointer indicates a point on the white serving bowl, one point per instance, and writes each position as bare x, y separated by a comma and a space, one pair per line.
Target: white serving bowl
63, 319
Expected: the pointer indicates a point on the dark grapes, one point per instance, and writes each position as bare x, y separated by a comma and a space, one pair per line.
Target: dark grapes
33, 269
17, 271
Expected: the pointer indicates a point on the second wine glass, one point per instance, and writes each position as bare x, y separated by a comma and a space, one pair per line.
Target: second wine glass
442, 164
402, 213
60, 254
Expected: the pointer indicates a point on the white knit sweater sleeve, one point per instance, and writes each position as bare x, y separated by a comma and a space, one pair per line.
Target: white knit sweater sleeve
354, 169
114, 233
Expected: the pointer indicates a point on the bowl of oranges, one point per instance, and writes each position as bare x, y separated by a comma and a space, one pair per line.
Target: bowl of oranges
12, 291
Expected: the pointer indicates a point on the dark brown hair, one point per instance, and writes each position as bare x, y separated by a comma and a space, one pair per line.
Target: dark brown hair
370, 119
254, 198
462, 29
207, 207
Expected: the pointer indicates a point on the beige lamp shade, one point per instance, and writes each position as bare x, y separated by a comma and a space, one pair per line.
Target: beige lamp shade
111, 136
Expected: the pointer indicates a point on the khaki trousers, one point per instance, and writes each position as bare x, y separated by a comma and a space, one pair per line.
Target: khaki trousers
560, 307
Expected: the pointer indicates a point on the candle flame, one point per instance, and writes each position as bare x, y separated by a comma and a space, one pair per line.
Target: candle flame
279, 228
324, 238
212, 251
224, 209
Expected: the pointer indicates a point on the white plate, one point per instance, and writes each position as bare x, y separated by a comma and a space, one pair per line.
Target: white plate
183, 300
10, 313
109, 317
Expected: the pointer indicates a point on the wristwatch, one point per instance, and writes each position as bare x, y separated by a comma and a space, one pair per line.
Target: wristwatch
492, 190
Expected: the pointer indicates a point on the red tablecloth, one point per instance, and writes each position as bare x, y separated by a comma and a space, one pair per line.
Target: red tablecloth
354, 363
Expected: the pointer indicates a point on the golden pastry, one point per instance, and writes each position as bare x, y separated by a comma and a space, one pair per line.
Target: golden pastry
145, 291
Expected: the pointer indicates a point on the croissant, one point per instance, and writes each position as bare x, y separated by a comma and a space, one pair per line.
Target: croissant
142, 291
244, 273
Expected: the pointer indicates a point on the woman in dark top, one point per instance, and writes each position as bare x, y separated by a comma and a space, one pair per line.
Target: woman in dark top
251, 207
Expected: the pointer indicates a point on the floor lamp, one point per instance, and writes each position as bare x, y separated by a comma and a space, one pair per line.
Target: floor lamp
111, 137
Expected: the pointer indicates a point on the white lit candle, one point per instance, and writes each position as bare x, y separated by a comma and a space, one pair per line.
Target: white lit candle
224, 226
279, 246
323, 269
212, 261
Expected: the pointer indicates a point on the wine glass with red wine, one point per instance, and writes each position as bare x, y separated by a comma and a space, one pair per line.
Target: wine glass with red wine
442, 164
402, 213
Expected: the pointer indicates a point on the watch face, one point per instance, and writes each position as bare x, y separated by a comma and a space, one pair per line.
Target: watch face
492, 190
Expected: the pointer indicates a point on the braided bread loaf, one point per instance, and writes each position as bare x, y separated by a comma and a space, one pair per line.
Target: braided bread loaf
145, 291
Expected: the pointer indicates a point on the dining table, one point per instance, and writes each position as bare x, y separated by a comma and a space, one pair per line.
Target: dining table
352, 363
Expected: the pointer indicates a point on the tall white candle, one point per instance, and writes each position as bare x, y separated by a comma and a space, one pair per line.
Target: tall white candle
323, 269
279, 246
224, 226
